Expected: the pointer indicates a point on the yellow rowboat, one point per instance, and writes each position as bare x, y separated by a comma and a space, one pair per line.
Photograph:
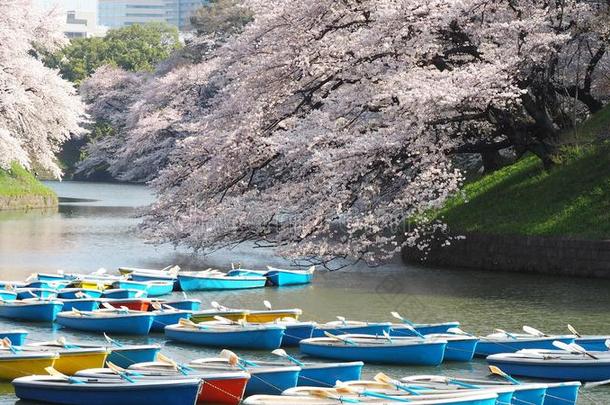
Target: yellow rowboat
100, 285
272, 315
14, 365
209, 314
72, 359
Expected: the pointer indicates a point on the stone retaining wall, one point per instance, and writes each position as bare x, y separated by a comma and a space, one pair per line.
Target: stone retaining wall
27, 202
531, 254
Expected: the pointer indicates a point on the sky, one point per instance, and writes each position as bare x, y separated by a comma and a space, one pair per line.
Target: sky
84, 5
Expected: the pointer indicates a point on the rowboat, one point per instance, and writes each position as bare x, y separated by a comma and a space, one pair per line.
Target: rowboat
124, 355
352, 327
377, 349
125, 271
482, 398
135, 304
28, 293
219, 334
94, 284
6, 295
524, 393
264, 379
124, 293
108, 321
13, 365
167, 317
217, 388
282, 277
554, 364
151, 288
11, 285
71, 359
75, 293
84, 304
52, 276
400, 329
207, 281
209, 314
17, 336
510, 343
60, 390
459, 347
31, 310
186, 304
271, 315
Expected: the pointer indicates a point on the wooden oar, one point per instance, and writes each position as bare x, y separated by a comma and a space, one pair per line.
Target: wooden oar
235, 360
510, 335
318, 392
364, 392
573, 348
340, 338
6, 342
55, 373
121, 372
282, 353
385, 379
574, 331
342, 320
497, 371
410, 325
533, 331
188, 323
183, 369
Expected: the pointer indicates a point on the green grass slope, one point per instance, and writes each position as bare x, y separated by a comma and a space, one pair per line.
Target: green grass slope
19, 183
571, 200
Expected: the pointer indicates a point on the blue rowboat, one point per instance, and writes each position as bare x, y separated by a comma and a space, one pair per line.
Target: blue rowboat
593, 343
296, 331
31, 310
151, 288
85, 304
27, 293
377, 349
187, 304
123, 293
76, 293
78, 391
17, 336
282, 277
127, 355
503, 343
207, 281
400, 329
108, 321
352, 327
564, 393
263, 379
6, 295
459, 347
168, 317
10, 285
554, 365
218, 334
139, 275
53, 276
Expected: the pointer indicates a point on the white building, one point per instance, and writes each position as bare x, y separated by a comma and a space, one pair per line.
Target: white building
121, 13
81, 16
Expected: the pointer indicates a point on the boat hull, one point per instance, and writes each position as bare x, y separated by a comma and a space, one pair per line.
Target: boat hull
186, 305
272, 315
428, 354
38, 312
281, 278
48, 390
119, 324
486, 348
229, 391
17, 337
71, 293
205, 316
27, 293
296, 332
69, 362
583, 371
8, 295
562, 393
19, 366
260, 339
126, 356
80, 304
423, 328
124, 293
593, 343
327, 374
272, 382
202, 283
135, 304
370, 329
164, 318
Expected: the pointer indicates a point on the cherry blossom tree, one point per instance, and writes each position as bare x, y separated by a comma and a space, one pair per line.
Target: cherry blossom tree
323, 126
38, 109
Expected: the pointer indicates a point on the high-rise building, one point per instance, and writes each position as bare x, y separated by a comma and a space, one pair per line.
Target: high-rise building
121, 13
81, 16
